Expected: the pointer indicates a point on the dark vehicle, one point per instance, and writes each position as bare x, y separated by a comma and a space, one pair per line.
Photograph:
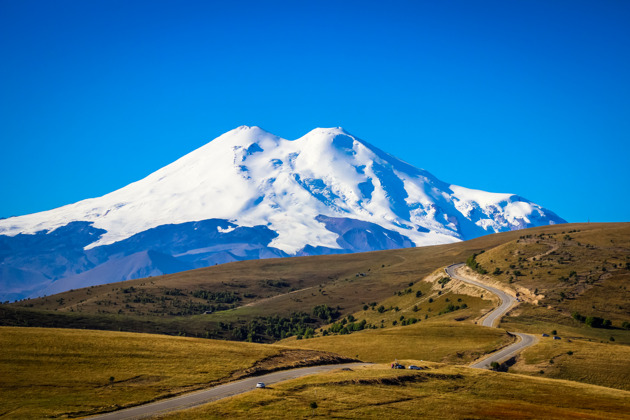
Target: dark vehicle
414, 367
398, 366
260, 385
555, 337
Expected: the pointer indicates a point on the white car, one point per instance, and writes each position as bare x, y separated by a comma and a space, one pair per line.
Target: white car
260, 385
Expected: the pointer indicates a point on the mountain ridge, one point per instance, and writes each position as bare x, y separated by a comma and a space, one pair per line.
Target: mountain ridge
298, 191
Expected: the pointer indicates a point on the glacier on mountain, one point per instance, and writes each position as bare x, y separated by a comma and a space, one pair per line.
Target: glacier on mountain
251, 194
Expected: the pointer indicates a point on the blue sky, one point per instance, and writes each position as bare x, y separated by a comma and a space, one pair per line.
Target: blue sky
528, 97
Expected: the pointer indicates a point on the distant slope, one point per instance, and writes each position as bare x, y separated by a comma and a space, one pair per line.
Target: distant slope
249, 194
135, 266
168, 304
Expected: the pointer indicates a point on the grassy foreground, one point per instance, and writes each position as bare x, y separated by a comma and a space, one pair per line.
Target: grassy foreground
578, 360
70, 373
441, 392
438, 341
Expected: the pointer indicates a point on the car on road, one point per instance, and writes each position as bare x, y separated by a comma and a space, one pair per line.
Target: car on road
260, 385
398, 366
414, 367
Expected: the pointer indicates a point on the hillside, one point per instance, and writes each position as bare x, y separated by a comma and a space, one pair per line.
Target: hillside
597, 354
440, 392
238, 293
579, 278
53, 373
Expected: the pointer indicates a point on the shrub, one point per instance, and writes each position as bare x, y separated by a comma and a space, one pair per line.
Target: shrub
578, 317
325, 312
473, 264
595, 322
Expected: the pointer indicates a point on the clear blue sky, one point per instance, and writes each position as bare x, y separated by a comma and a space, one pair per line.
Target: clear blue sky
528, 97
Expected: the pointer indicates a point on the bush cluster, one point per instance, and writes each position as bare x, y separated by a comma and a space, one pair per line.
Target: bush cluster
473, 264
592, 321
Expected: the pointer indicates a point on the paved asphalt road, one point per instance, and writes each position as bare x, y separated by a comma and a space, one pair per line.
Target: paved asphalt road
509, 351
492, 318
506, 300
233, 388
216, 393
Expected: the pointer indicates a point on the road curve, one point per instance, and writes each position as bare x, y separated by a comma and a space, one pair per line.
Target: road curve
504, 354
506, 302
194, 399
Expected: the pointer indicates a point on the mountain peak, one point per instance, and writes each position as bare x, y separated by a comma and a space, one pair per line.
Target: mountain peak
327, 131
322, 191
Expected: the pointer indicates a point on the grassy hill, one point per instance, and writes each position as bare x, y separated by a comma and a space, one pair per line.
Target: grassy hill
441, 392
439, 341
222, 301
585, 353
577, 270
578, 360
68, 373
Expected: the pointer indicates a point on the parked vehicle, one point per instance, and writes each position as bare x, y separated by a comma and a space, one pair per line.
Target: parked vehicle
398, 366
414, 367
260, 385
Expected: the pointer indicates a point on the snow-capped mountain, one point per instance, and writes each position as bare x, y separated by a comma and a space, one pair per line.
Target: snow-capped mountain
250, 194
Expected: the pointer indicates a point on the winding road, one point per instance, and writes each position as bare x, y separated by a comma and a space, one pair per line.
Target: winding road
492, 318
194, 399
233, 388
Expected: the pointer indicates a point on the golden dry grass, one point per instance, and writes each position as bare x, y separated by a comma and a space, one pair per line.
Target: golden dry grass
438, 393
578, 360
538, 320
57, 372
432, 302
579, 269
438, 341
